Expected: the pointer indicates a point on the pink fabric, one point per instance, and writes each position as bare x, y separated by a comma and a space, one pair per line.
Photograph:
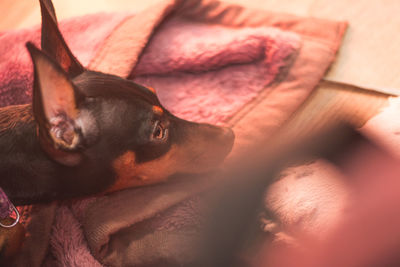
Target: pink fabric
67, 243
243, 61
208, 72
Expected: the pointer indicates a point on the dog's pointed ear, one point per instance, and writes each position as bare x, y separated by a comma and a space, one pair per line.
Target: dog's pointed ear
55, 102
53, 42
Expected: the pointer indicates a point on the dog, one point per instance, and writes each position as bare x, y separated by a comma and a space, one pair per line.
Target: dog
89, 133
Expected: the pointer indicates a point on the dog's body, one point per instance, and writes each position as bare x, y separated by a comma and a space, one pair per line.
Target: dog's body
88, 132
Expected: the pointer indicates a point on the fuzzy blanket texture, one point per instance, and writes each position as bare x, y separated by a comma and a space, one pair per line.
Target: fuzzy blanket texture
208, 62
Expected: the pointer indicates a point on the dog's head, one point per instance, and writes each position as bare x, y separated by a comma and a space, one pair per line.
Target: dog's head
86, 117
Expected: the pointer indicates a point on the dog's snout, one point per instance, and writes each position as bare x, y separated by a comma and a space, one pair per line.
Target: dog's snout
205, 145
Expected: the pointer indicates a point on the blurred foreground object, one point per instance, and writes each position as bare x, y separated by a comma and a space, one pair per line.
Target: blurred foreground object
366, 235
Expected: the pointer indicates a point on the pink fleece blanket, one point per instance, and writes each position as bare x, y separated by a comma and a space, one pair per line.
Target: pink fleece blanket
176, 63
208, 72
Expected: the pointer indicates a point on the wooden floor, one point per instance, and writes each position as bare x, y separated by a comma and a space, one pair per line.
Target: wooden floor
338, 97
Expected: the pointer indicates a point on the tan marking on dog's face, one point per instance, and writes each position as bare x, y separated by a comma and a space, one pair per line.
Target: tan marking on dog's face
152, 89
123, 166
130, 174
158, 110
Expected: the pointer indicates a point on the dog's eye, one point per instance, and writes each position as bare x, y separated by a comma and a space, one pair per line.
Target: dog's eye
159, 132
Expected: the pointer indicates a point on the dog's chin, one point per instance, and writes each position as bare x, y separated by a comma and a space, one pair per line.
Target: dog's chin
214, 159
208, 165
204, 166
199, 175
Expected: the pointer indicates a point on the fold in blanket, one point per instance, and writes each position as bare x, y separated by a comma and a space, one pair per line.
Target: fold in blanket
206, 73
209, 62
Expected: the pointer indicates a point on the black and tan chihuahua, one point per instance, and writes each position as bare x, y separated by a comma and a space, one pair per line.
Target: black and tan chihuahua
88, 132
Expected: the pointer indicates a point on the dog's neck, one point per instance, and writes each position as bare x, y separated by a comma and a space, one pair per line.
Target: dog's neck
27, 174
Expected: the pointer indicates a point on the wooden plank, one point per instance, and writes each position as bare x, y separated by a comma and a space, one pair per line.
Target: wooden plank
332, 102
